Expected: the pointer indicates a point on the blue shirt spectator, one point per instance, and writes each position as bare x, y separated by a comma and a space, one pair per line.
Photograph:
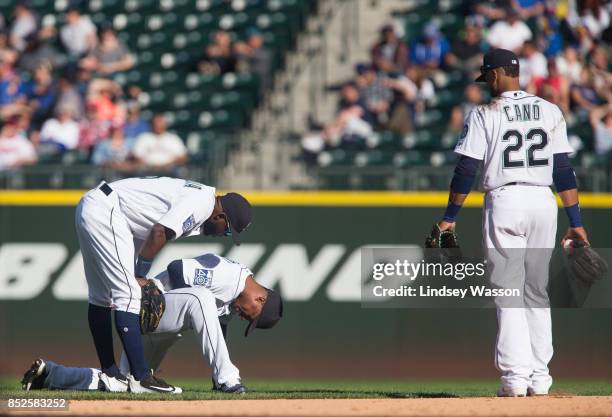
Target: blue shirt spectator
134, 125
431, 50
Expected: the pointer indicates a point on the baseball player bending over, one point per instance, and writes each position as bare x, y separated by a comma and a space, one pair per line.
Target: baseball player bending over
202, 294
132, 219
520, 141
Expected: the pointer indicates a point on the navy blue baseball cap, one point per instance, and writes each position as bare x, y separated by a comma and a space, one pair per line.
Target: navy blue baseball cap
271, 313
238, 212
496, 58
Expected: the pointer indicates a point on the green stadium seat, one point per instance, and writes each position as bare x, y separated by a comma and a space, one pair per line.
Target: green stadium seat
335, 157
411, 158
374, 158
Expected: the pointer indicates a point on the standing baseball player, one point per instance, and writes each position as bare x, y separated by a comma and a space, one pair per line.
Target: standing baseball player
202, 294
121, 227
520, 140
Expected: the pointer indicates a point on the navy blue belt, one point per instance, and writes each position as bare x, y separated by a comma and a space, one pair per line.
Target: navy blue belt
105, 188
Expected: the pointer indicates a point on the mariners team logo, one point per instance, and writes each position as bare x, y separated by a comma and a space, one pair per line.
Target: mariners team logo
203, 277
463, 135
189, 224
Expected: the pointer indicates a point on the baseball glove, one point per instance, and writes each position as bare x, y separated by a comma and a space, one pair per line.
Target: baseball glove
152, 306
442, 246
585, 264
439, 239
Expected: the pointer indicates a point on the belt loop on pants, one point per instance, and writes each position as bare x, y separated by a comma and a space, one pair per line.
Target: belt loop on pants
106, 189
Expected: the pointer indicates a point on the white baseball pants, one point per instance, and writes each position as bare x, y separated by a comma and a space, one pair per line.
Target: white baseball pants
107, 246
519, 230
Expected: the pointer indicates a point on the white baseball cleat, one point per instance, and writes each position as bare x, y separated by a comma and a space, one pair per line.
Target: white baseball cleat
511, 392
119, 383
151, 384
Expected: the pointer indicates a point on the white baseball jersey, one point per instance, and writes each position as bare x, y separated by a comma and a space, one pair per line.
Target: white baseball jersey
223, 277
177, 204
111, 227
516, 136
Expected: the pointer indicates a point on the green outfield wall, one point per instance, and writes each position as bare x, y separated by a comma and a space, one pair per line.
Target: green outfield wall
306, 246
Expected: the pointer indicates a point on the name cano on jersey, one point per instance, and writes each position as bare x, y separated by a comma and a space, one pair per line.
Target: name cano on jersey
522, 112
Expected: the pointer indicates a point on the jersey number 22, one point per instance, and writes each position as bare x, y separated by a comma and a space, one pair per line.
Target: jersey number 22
532, 135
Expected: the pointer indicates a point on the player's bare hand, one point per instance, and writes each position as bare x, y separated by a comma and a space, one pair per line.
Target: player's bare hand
444, 225
141, 281
575, 233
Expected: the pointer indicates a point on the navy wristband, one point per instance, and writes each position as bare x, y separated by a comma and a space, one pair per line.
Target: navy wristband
452, 210
143, 266
573, 213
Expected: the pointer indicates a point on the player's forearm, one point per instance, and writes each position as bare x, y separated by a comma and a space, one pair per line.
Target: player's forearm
155, 242
569, 198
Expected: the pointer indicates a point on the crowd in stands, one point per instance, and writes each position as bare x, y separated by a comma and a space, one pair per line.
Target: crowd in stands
564, 49
58, 92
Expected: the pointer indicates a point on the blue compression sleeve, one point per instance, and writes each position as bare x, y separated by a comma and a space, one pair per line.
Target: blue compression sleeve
143, 266
465, 172
452, 210
564, 176
573, 213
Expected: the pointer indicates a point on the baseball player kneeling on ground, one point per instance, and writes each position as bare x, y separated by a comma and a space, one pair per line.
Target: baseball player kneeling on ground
520, 141
201, 294
132, 219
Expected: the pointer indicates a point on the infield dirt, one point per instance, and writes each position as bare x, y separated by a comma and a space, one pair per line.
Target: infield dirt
535, 406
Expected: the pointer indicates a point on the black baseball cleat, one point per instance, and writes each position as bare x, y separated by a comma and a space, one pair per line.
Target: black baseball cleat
152, 384
230, 389
35, 376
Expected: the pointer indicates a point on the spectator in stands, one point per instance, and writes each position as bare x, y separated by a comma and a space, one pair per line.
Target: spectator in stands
160, 149
254, 58
24, 24
69, 96
219, 56
374, 93
92, 128
602, 78
472, 98
491, 9
78, 35
114, 152
601, 121
509, 33
555, 88
10, 83
534, 67
466, 52
528, 8
593, 16
134, 124
390, 53
15, 149
583, 94
41, 94
417, 89
350, 125
568, 64
430, 51
551, 34
37, 52
105, 95
60, 134
110, 55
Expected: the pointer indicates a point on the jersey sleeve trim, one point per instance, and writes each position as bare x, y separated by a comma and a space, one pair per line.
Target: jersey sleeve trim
470, 154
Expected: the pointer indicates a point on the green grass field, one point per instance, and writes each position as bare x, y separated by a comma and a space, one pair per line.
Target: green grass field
288, 388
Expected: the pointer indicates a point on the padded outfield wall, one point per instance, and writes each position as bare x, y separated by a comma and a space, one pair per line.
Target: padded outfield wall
307, 246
